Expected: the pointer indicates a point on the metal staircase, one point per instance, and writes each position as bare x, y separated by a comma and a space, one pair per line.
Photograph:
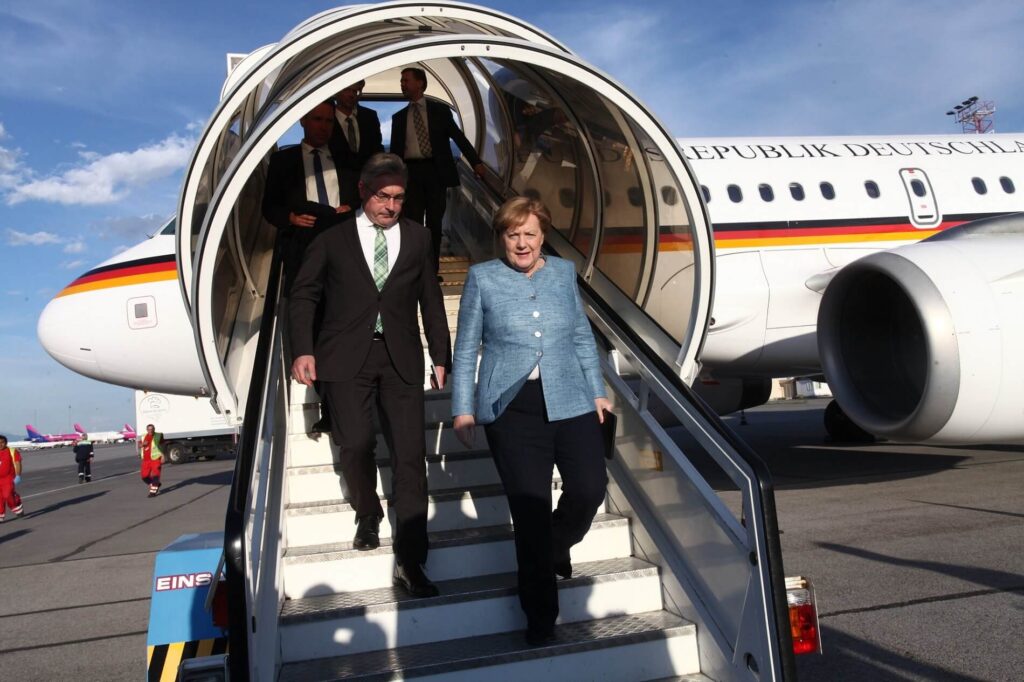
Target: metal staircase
342, 619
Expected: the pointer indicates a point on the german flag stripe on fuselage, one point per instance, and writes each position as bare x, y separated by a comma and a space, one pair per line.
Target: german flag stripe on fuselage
163, 660
139, 271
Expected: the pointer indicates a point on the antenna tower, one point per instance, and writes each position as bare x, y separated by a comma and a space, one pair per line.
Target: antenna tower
974, 115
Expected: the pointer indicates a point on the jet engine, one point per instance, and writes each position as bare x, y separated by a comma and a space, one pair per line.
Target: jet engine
923, 343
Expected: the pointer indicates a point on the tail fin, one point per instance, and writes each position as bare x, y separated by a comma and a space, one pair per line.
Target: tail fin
78, 428
34, 435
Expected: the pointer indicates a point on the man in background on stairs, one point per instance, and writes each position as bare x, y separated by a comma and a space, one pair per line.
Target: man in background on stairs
372, 273
302, 198
419, 134
355, 138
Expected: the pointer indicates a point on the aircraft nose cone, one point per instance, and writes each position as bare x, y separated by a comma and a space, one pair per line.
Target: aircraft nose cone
66, 336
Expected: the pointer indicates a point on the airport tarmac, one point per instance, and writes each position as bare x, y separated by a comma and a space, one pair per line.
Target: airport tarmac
915, 552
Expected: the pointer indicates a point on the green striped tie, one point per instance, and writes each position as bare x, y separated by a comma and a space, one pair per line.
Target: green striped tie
380, 267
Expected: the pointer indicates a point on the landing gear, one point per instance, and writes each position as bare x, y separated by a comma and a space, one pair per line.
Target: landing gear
841, 429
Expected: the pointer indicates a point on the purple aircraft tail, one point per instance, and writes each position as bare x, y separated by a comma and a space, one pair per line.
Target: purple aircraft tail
34, 435
79, 429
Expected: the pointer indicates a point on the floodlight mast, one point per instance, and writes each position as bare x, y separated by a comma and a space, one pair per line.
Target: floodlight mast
974, 115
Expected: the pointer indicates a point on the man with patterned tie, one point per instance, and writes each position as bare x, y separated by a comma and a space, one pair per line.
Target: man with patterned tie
419, 134
355, 138
372, 273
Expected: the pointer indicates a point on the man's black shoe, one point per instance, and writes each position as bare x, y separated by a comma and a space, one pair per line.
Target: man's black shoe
540, 636
414, 581
367, 533
564, 568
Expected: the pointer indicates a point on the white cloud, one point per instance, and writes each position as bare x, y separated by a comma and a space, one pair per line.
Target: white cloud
106, 179
16, 238
77, 246
72, 264
3, 132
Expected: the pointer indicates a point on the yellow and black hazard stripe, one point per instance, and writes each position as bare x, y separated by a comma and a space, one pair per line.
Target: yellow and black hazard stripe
163, 660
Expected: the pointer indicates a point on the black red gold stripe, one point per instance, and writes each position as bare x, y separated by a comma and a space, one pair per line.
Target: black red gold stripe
139, 271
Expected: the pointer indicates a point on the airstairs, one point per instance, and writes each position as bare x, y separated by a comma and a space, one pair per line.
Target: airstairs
342, 619
681, 574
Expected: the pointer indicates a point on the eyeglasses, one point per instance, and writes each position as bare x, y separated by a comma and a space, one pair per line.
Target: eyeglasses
384, 197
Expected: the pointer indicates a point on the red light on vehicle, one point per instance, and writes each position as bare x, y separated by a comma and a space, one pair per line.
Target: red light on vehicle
803, 616
219, 610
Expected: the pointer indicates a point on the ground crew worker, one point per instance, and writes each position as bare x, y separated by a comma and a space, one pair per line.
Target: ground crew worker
10, 476
151, 452
83, 455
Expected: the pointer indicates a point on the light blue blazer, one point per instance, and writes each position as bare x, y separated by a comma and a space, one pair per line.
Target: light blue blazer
523, 322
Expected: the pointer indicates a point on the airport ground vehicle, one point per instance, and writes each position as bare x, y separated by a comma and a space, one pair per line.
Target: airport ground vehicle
192, 428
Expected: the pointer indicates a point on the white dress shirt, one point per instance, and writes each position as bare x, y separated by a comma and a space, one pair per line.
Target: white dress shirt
368, 235
330, 175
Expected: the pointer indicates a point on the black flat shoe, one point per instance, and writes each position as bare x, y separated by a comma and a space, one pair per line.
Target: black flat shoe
322, 425
414, 581
540, 637
563, 569
367, 533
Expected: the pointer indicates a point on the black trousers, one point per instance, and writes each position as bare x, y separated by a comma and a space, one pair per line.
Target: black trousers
426, 198
85, 470
526, 446
401, 407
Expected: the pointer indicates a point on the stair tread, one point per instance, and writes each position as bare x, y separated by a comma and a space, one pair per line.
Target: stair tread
437, 540
339, 504
336, 606
306, 469
490, 650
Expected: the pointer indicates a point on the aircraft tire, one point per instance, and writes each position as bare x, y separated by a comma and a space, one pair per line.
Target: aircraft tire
841, 429
176, 454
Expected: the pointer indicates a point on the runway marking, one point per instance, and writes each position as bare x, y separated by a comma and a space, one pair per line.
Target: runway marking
69, 487
925, 600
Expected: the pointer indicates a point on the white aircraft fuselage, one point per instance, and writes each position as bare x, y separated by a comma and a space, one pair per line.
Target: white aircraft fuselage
788, 215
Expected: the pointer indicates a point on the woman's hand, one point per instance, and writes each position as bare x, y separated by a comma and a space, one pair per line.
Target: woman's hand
465, 429
602, 405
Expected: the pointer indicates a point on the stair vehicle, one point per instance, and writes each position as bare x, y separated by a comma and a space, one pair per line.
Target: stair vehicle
681, 575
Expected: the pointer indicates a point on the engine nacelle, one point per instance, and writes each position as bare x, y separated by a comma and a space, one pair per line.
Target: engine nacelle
923, 343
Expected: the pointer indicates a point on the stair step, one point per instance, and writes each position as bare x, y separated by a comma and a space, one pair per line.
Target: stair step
387, 618
330, 521
440, 437
334, 568
453, 471
622, 648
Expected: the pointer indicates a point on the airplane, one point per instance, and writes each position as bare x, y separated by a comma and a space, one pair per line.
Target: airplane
889, 229
127, 433
56, 438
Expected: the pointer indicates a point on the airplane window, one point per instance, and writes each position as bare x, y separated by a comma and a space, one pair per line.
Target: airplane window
635, 196
669, 196
1007, 184
735, 193
871, 187
707, 194
827, 190
796, 190
979, 186
918, 188
766, 192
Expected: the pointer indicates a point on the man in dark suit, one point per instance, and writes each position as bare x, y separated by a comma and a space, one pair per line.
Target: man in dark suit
372, 272
420, 134
355, 138
302, 196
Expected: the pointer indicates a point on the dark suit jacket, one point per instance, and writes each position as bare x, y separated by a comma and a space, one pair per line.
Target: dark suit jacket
370, 141
349, 164
284, 192
334, 269
441, 127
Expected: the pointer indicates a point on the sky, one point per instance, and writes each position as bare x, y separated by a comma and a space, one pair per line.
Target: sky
101, 104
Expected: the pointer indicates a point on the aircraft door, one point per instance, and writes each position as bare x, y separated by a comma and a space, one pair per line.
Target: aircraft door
924, 210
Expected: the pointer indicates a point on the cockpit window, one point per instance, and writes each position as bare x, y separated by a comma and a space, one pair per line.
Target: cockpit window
169, 227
